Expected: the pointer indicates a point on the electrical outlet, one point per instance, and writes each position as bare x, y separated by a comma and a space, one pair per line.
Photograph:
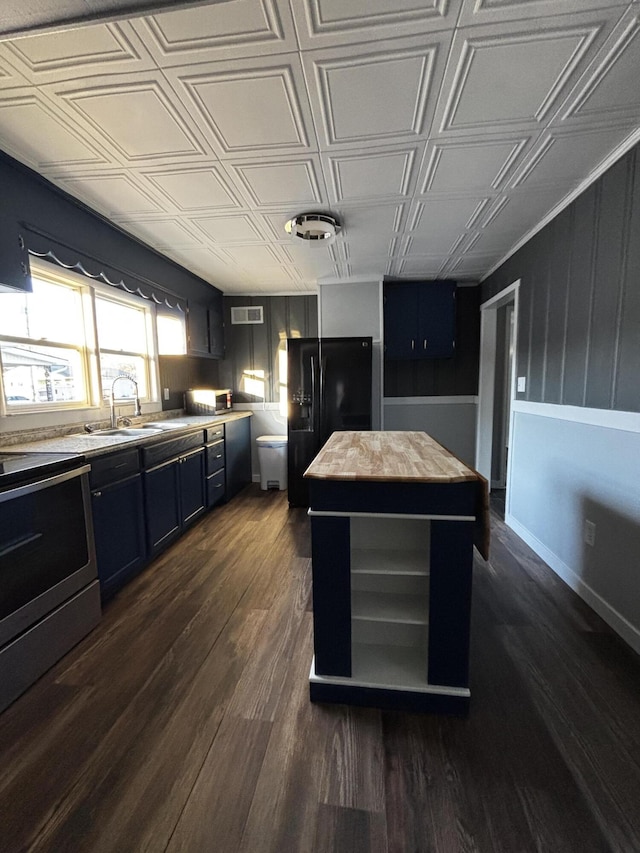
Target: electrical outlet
522, 384
166, 393
589, 532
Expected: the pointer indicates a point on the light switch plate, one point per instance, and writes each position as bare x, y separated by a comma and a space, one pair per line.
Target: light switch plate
522, 384
166, 393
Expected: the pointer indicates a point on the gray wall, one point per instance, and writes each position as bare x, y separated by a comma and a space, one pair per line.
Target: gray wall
579, 327
255, 347
575, 448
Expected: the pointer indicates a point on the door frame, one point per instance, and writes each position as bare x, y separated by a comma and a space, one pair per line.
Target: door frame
486, 380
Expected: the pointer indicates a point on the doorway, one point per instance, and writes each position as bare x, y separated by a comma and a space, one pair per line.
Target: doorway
498, 331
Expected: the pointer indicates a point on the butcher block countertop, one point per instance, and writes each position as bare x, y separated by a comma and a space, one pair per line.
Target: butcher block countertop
400, 457
393, 456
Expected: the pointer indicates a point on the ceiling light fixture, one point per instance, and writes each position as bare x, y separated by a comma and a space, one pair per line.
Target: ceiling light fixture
316, 228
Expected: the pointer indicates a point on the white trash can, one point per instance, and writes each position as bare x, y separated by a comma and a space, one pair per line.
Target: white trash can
272, 457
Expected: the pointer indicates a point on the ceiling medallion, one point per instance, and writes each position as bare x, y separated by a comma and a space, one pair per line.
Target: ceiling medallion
316, 228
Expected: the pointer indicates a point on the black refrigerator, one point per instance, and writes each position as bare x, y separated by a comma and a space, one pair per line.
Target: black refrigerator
329, 382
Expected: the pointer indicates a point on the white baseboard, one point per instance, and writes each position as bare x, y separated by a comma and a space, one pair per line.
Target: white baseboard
629, 633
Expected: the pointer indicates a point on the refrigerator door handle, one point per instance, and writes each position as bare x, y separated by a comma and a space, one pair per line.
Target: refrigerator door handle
313, 412
323, 413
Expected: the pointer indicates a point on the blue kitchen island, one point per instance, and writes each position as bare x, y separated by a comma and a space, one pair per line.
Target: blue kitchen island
394, 519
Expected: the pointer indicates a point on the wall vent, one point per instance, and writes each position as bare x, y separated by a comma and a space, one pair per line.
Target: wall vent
243, 314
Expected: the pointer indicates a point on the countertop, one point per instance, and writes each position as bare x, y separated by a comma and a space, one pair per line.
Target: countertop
96, 445
393, 456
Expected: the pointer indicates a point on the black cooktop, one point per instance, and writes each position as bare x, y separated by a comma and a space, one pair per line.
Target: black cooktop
19, 467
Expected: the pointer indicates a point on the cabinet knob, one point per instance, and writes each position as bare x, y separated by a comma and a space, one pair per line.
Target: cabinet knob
97, 494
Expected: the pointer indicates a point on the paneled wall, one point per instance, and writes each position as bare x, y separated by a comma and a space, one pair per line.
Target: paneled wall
178, 373
250, 366
579, 326
575, 439
440, 377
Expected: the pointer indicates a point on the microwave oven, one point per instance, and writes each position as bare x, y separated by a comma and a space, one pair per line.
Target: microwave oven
208, 401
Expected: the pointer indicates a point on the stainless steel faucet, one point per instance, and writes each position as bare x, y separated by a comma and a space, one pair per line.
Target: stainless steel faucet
112, 400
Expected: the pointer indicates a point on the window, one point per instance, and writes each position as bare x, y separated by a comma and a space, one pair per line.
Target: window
123, 346
43, 346
62, 345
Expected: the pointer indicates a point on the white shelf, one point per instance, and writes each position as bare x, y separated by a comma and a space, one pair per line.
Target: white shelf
389, 561
389, 607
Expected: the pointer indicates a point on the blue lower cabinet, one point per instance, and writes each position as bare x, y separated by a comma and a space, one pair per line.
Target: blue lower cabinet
215, 488
237, 448
118, 525
174, 495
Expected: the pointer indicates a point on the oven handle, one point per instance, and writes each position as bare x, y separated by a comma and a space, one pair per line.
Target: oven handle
47, 483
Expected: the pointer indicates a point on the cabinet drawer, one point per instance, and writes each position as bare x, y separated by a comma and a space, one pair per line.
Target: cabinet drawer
214, 433
154, 454
114, 467
215, 488
215, 456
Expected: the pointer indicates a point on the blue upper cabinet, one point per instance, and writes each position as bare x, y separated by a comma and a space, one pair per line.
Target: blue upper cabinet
419, 319
14, 258
205, 328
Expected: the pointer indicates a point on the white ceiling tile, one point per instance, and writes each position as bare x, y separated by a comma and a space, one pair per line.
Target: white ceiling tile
515, 75
227, 229
159, 231
75, 50
249, 107
426, 266
470, 166
565, 158
612, 88
498, 11
28, 120
371, 96
331, 22
470, 266
137, 118
516, 212
371, 175
438, 224
221, 30
194, 188
113, 195
276, 183
253, 256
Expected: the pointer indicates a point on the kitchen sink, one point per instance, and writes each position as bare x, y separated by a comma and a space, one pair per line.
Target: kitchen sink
161, 425
125, 431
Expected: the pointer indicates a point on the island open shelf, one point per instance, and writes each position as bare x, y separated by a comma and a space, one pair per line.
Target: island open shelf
393, 518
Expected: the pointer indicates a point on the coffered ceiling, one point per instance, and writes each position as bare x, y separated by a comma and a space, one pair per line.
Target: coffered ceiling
440, 132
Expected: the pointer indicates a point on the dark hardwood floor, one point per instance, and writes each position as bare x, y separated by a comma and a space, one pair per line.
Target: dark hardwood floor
182, 723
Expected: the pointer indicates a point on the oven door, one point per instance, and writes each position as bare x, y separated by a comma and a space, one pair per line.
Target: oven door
46, 548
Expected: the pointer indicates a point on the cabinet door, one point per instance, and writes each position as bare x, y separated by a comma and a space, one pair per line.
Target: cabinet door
118, 526
162, 504
192, 485
400, 321
198, 329
237, 448
216, 330
437, 319
14, 259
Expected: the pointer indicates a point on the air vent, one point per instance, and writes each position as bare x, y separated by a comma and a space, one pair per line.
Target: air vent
243, 314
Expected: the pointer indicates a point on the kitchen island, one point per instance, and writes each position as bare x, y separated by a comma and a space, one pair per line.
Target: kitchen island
394, 519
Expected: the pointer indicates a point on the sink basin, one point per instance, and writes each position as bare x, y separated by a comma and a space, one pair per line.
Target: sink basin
125, 431
160, 425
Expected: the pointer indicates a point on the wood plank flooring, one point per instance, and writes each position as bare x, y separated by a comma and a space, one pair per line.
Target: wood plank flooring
182, 723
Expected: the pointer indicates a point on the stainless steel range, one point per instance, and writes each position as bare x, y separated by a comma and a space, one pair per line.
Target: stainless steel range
49, 592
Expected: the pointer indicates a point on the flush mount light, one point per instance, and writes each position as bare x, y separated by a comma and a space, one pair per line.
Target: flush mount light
316, 228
